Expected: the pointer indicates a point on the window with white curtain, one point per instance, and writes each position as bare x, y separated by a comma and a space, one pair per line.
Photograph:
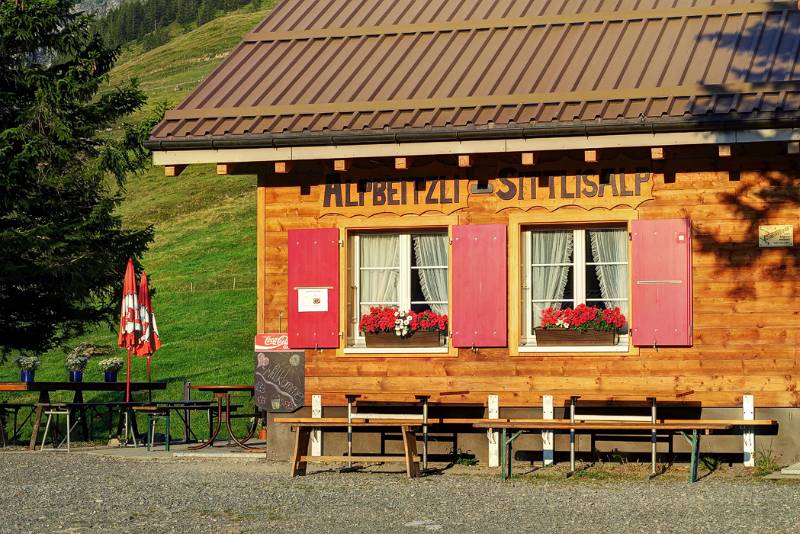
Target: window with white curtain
407, 270
569, 266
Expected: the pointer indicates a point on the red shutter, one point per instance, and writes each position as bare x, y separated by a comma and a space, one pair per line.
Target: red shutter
478, 311
661, 300
314, 263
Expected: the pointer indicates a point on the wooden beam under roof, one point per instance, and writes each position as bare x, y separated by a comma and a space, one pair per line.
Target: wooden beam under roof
465, 160
224, 168
591, 156
283, 167
341, 165
173, 170
402, 163
724, 151
657, 152
529, 158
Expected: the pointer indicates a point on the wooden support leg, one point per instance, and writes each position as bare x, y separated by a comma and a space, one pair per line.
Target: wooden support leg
653, 437
301, 440
44, 398
503, 454
424, 433
410, 447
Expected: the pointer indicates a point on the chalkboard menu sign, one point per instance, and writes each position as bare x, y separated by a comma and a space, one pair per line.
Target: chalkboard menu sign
280, 378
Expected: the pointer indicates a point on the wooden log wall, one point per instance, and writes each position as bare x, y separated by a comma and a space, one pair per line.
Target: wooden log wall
746, 322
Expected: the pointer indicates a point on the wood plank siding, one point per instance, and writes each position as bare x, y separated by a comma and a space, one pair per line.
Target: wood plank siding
746, 323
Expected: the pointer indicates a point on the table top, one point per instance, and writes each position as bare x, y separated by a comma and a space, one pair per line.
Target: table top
222, 388
80, 386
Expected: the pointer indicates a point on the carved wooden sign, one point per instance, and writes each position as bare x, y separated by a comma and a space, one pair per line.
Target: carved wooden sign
607, 188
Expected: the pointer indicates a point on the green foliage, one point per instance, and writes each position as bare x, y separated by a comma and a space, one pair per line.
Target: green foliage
765, 462
64, 247
148, 20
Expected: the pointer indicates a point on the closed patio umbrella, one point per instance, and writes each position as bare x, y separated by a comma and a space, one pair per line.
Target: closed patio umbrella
149, 342
130, 325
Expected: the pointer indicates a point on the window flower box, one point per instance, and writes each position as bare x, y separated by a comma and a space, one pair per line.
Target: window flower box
583, 326
389, 327
564, 337
417, 339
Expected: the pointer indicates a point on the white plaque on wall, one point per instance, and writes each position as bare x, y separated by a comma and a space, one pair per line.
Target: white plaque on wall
776, 235
312, 299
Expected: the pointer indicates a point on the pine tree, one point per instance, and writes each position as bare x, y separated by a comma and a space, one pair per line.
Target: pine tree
63, 246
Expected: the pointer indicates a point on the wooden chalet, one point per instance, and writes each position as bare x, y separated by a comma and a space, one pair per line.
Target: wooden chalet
489, 160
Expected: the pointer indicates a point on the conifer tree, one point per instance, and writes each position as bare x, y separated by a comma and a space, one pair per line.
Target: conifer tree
62, 246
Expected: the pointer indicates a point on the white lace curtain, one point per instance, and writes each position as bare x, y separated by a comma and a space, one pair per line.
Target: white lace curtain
430, 250
548, 282
611, 246
380, 269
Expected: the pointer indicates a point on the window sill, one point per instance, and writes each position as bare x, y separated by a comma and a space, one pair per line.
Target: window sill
615, 348
396, 350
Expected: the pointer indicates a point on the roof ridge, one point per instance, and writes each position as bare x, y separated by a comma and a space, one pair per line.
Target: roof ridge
512, 22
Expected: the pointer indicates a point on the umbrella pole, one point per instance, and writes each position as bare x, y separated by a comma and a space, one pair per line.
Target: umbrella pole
149, 391
128, 378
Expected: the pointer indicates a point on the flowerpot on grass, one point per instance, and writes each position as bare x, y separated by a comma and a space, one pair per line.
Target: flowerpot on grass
110, 376
26, 376
76, 376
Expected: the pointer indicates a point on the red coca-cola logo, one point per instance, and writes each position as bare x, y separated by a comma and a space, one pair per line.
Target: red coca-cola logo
272, 342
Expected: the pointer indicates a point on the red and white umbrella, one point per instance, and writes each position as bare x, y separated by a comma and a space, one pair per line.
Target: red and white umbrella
149, 341
130, 325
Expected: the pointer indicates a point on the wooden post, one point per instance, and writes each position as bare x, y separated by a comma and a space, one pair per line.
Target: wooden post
548, 450
261, 254
494, 413
748, 436
316, 434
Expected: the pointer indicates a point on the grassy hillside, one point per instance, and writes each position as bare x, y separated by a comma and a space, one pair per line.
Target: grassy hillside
203, 261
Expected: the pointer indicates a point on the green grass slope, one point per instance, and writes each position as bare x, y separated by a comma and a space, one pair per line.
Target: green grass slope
202, 263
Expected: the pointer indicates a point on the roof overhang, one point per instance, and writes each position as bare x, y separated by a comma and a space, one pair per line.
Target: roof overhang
500, 140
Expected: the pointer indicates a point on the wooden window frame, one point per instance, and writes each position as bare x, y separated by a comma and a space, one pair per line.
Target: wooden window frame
564, 218
389, 224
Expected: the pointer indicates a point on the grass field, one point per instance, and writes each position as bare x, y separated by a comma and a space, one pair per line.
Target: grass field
202, 263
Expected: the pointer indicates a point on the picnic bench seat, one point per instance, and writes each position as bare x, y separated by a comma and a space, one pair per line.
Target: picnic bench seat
304, 426
682, 426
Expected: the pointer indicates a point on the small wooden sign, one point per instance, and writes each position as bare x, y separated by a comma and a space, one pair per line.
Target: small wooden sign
775, 235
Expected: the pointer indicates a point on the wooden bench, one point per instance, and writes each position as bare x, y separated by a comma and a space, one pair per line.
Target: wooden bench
304, 426
517, 427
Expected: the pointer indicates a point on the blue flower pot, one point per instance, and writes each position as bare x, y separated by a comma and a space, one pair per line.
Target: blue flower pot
76, 376
111, 376
26, 376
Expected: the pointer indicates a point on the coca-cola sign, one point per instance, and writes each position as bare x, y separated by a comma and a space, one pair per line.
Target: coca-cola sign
272, 342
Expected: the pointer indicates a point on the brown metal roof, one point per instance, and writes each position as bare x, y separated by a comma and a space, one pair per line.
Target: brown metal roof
338, 71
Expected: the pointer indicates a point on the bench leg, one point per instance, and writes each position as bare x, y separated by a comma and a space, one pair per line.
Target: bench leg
301, 440
166, 416
410, 446
37, 422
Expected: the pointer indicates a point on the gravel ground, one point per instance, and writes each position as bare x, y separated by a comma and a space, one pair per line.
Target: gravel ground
82, 492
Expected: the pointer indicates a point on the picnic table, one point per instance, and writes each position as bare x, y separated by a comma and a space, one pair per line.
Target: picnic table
222, 395
45, 388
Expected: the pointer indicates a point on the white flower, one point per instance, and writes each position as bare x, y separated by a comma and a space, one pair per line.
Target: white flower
396, 314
